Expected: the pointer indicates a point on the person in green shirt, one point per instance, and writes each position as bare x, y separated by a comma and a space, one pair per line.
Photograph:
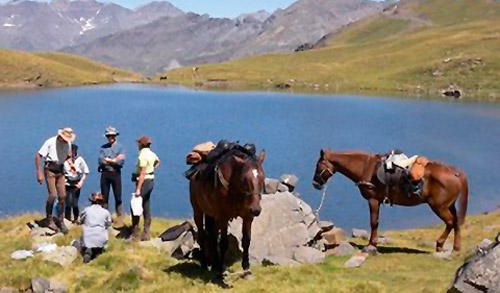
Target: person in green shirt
147, 162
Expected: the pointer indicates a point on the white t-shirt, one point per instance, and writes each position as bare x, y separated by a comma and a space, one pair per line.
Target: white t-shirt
80, 166
54, 150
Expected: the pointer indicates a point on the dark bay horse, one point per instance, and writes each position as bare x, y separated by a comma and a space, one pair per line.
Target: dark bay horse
232, 189
443, 186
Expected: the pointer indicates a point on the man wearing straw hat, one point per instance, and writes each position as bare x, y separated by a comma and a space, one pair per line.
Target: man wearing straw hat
111, 160
55, 151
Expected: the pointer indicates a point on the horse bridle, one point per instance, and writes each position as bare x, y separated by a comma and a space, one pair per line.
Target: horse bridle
322, 172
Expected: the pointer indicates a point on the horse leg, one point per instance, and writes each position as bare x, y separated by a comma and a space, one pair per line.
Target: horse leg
223, 246
247, 234
201, 237
444, 214
212, 241
374, 216
456, 228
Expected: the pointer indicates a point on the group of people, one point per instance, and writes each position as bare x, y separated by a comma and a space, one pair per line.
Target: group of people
65, 172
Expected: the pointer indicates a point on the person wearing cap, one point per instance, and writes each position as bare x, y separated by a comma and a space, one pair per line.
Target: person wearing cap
95, 223
55, 152
147, 162
111, 160
74, 182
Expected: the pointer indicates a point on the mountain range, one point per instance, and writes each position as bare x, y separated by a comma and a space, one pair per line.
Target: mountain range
158, 36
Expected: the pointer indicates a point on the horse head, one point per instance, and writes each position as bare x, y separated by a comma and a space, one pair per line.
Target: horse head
250, 182
324, 170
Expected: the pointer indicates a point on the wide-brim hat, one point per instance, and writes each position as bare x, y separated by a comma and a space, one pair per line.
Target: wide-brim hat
67, 134
144, 140
96, 197
111, 131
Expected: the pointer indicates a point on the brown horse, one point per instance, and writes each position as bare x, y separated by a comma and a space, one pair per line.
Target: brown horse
229, 190
443, 186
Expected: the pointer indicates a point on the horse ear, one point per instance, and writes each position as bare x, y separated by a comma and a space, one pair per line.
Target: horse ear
322, 153
262, 156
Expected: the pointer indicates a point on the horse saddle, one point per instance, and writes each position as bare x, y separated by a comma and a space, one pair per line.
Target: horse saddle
222, 148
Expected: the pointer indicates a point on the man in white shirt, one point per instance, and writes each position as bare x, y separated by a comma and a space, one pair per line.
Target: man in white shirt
55, 151
74, 183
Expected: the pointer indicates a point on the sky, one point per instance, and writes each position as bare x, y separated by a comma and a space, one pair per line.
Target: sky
216, 8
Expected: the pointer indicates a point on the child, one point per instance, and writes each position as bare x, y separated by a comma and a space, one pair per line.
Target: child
95, 221
74, 182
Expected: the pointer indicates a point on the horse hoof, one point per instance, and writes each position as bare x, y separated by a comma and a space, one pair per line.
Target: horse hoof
247, 275
371, 250
221, 282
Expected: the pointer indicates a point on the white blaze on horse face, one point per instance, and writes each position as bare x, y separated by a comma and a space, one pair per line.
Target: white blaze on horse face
255, 173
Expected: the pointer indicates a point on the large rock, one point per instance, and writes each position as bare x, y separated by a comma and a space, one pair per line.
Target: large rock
335, 236
21, 254
344, 248
63, 255
285, 224
481, 273
40, 285
306, 254
359, 233
355, 261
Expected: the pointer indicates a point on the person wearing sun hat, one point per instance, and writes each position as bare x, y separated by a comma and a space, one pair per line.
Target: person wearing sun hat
147, 162
111, 160
55, 152
95, 223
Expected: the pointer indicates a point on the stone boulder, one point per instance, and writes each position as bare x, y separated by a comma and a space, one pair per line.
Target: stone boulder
178, 248
481, 273
285, 225
355, 261
63, 255
334, 237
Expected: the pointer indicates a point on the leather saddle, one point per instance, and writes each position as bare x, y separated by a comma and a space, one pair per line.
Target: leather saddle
223, 147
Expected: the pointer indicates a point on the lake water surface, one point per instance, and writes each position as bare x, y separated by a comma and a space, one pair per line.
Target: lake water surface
292, 129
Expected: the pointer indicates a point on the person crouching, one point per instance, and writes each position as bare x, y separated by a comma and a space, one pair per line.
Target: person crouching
147, 162
95, 221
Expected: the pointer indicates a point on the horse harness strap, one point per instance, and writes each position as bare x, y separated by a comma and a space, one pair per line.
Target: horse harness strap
220, 177
321, 174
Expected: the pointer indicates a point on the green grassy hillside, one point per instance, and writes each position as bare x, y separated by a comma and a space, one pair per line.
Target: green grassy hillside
404, 266
415, 48
26, 70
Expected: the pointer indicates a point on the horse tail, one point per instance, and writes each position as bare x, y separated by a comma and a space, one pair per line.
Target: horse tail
463, 198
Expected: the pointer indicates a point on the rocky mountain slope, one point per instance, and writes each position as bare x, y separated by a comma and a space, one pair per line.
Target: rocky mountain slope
41, 26
194, 39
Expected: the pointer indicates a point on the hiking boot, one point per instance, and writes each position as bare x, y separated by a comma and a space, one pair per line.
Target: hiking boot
63, 227
51, 224
145, 236
119, 210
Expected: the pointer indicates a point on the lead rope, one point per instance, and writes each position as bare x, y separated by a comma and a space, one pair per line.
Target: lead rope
321, 203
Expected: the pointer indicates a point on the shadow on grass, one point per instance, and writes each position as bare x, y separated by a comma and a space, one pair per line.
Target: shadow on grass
392, 249
192, 271
123, 232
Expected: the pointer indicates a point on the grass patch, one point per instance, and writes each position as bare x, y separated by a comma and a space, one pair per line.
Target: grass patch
417, 54
405, 266
25, 70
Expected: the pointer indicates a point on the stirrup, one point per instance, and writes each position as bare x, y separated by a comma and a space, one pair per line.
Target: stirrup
386, 201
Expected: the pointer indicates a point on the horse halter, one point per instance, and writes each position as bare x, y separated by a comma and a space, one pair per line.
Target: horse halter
320, 175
